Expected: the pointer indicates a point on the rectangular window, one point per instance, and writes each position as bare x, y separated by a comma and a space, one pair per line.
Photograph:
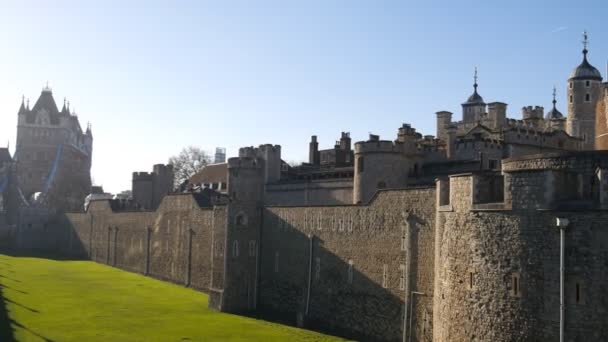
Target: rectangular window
276, 262
350, 271
384, 275
235, 249
587, 97
252, 250
317, 268
471, 280
360, 166
402, 277
578, 293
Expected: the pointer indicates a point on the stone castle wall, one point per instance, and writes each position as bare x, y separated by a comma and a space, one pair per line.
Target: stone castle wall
173, 243
498, 269
327, 192
344, 267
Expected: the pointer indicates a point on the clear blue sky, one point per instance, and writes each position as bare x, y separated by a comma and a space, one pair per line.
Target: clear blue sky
153, 77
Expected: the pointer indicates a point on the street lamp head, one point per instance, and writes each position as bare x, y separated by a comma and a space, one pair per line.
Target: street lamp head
561, 222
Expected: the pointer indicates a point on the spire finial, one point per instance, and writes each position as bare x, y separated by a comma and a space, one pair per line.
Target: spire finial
475, 78
554, 94
585, 43
28, 104
68, 106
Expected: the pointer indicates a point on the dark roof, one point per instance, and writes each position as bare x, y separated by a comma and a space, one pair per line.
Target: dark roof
475, 98
22, 109
214, 173
5, 155
554, 114
585, 71
46, 102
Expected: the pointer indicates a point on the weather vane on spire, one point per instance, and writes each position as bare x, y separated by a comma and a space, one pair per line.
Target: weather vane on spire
475, 78
585, 41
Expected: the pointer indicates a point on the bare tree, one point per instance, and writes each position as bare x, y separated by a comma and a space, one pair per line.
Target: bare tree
188, 162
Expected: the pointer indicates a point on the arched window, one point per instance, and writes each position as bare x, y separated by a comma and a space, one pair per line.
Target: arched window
241, 219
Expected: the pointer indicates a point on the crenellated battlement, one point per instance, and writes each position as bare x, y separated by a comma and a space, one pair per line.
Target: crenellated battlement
243, 163
142, 176
375, 145
533, 113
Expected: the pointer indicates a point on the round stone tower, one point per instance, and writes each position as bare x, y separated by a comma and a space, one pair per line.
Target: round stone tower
379, 164
584, 92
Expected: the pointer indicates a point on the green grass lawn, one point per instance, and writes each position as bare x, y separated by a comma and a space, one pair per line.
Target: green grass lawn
49, 300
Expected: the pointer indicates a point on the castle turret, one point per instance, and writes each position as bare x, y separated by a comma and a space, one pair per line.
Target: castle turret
345, 141
497, 113
555, 117
313, 151
271, 154
474, 108
379, 164
444, 119
533, 116
245, 188
584, 92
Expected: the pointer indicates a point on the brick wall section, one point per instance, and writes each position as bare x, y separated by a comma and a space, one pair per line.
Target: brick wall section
368, 237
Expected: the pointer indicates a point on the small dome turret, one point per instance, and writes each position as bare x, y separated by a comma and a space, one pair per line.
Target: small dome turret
475, 98
585, 71
554, 114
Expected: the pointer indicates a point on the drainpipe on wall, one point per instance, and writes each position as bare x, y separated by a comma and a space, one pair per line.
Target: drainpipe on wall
310, 244
408, 245
562, 224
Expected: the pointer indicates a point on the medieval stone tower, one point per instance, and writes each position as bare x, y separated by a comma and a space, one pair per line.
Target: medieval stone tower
53, 154
601, 119
584, 92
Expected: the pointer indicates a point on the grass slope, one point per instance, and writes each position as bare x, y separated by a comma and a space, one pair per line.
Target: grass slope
49, 300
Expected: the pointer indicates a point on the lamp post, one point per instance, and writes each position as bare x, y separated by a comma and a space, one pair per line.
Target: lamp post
562, 224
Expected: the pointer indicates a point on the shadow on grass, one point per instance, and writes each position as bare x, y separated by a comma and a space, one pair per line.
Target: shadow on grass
6, 330
7, 324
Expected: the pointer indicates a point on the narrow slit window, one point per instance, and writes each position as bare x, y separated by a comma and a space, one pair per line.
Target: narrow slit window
515, 286
350, 271
252, 250
384, 275
276, 262
235, 249
578, 293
